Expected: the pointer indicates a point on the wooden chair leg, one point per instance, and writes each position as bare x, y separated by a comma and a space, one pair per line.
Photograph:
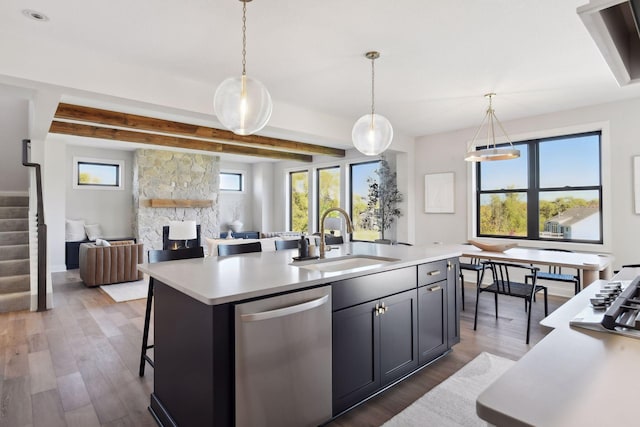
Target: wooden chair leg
145, 333
496, 302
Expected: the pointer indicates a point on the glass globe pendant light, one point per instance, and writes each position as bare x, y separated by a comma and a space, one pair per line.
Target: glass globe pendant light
372, 133
242, 104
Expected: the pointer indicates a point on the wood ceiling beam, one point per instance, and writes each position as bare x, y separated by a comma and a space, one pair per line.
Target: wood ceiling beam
142, 123
90, 131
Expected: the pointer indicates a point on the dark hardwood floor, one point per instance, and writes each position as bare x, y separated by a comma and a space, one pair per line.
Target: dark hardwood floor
77, 364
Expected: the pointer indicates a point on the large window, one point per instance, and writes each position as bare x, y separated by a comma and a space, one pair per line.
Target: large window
362, 174
328, 181
299, 201
552, 192
97, 174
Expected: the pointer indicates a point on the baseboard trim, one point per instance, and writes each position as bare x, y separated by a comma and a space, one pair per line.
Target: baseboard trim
14, 193
58, 268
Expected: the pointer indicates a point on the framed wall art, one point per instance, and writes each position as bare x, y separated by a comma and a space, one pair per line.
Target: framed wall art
439, 192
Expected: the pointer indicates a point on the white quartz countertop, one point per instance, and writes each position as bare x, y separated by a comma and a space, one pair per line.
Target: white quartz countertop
573, 377
220, 280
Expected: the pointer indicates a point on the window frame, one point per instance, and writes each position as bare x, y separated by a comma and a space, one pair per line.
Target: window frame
346, 189
533, 189
351, 165
235, 173
118, 164
317, 192
290, 197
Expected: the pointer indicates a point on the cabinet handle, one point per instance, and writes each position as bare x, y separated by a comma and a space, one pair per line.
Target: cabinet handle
435, 288
377, 310
433, 273
383, 309
449, 265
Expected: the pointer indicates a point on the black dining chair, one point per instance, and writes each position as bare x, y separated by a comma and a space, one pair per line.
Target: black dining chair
555, 273
243, 248
153, 257
474, 265
286, 244
503, 285
329, 239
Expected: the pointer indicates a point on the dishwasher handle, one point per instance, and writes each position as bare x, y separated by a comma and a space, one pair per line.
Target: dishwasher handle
285, 311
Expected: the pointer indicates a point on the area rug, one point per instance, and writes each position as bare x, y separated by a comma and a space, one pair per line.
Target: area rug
453, 402
127, 291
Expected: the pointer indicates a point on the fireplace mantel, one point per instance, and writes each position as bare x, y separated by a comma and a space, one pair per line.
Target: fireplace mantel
180, 203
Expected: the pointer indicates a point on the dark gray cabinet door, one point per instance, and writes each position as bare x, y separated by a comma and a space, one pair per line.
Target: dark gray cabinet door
454, 301
374, 344
432, 325
356, 363
398, 336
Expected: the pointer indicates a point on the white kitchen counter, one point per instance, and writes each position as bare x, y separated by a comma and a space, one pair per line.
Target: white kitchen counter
220, 280
573, 377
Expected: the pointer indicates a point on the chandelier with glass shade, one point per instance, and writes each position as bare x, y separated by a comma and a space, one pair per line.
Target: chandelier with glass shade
242, 104
372, 133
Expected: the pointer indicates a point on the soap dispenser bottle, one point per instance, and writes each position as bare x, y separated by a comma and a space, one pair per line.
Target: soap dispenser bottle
303, 247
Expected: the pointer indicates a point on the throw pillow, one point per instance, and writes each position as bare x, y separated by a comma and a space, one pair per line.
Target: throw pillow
100, 242
74, 230
93, 231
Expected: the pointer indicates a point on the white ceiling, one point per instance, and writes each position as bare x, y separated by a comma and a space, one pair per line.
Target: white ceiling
437, 60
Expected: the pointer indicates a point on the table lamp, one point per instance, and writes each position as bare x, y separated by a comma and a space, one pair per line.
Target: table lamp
182, 230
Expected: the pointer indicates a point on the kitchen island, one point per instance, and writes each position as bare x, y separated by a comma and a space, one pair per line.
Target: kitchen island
387, 320
573, 377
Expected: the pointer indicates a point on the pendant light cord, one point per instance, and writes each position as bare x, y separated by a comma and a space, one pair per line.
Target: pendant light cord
373, 93
244, 38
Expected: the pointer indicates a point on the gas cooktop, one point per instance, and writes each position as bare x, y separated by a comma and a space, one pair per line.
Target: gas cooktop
615, 308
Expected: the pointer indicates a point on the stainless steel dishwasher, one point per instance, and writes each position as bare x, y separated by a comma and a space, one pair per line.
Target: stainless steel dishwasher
283, 360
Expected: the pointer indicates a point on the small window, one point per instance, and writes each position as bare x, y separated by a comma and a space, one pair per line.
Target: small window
97, 174
231, 181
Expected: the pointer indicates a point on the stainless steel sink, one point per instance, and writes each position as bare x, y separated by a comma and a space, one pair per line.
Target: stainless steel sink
349, 262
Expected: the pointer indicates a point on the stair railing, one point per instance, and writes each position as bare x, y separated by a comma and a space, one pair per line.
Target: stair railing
42, 228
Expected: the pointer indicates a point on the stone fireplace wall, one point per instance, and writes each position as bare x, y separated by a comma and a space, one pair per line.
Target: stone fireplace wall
172, 175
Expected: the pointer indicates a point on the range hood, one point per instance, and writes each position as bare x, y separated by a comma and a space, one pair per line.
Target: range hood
615, 28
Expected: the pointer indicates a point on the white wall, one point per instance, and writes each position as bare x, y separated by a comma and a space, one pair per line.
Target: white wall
445, 152
243, 201
112, 209
14, 114
53, 194
263, 196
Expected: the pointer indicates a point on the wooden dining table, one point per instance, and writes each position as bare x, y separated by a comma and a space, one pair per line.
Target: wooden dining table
592, 266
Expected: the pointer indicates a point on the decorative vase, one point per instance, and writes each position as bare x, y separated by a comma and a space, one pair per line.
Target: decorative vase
236, 225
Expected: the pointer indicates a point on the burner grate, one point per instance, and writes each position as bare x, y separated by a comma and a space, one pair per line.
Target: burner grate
624, 312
